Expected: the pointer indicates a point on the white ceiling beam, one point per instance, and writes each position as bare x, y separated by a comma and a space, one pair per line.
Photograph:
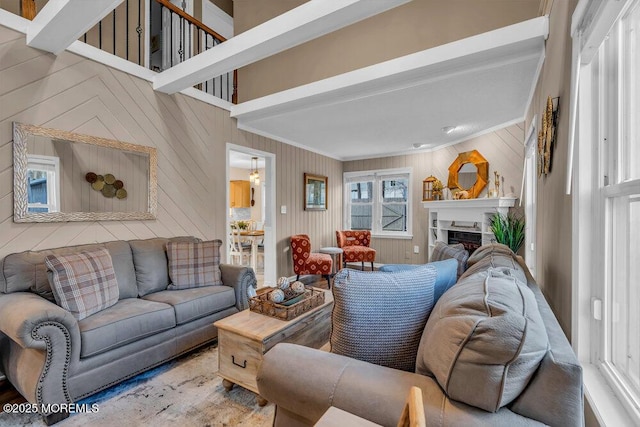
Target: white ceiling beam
527, 36
61, 22
306, 22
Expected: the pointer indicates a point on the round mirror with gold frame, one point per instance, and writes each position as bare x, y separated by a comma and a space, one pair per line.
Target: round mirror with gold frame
462, 170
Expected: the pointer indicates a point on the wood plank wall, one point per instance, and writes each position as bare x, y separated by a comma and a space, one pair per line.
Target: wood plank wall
503, 149
72, 93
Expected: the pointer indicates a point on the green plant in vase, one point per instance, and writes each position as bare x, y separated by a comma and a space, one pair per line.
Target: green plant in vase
508, 229
240, 225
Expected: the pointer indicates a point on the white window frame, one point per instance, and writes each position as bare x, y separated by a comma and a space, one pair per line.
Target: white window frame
599, 117
376, 222
530, 189
51, 165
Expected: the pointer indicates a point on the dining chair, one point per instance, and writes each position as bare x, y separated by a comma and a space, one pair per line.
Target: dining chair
239, 250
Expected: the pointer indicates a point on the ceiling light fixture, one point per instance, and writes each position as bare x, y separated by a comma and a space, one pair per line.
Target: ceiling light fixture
254, 176
421, 145
449, 129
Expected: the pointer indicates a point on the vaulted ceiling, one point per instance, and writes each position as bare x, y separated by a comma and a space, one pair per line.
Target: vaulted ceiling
421, 101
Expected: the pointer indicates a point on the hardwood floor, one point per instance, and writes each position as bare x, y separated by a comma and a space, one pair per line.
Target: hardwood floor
8, 394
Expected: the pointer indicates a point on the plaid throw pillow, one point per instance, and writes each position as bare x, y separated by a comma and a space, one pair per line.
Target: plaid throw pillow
83, 283
442, 251
192, 265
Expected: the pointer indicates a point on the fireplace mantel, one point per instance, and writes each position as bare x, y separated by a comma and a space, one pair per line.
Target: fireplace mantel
470, 216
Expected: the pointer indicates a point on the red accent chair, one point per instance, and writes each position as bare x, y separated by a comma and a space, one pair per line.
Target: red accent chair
307, 262
355, 244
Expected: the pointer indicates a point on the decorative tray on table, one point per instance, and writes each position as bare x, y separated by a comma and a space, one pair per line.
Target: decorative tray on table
293, 306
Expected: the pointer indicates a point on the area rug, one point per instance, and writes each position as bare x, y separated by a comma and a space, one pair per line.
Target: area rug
184, 392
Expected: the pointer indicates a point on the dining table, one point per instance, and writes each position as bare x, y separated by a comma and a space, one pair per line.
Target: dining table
255, 236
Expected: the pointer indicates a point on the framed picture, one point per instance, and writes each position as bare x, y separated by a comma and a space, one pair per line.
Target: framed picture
315, 192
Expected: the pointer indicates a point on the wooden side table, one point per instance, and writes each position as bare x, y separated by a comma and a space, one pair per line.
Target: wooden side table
243, 338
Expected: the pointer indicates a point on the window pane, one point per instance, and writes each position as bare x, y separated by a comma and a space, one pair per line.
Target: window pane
394, 190
394, 204
37, 188
361, 192
361, 205
625, 288
394, 217
361, 216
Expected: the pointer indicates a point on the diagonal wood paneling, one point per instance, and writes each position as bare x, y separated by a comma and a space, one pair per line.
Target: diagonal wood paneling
72, 93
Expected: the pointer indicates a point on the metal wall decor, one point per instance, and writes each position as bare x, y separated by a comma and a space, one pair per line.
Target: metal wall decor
108, 185
547, 136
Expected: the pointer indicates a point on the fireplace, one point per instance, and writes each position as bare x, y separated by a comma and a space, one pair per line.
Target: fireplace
464, 221
470, 241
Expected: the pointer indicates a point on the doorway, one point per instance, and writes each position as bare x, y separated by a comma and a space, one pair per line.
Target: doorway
251, 198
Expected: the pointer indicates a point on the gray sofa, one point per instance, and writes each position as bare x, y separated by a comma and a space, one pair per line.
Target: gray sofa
51, 358
458, 369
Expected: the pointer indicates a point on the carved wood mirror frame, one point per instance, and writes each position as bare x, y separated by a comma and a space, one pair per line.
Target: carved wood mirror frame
21, 133
482, 177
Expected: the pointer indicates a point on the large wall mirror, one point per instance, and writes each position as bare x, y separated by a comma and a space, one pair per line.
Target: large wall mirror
469, 172
65, 176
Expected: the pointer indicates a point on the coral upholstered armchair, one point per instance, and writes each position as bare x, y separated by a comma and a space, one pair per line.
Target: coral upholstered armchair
355, 244
306, 262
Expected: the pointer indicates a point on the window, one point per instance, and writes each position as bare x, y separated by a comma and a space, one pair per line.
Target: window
530, 182
607, 208
379, 201
43, 186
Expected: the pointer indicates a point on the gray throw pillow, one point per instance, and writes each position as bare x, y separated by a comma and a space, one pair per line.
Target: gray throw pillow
379, 317
484, 340
442, 251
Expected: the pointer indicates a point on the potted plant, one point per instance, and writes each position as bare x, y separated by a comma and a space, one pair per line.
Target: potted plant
508, 230
240, 225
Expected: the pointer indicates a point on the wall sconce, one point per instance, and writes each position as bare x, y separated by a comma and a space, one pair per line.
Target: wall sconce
254, 176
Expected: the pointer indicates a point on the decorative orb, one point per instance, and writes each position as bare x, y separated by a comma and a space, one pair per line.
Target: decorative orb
276, 295
283, 282
91, 177
298, 287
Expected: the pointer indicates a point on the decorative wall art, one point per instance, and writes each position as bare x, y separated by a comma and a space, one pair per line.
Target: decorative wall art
547, 136
315, 192
108, 185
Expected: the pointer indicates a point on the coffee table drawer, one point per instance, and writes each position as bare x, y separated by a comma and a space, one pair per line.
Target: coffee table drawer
239, 358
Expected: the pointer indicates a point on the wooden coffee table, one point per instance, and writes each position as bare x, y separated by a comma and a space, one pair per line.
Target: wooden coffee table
243, 338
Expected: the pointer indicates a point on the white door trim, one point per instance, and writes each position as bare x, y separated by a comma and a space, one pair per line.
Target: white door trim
270, 207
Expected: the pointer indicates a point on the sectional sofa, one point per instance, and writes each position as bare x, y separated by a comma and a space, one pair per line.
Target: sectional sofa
491, 354
53, 358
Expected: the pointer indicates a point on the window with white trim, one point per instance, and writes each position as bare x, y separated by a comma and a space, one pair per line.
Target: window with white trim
609, 166
378, 201
43, 186
530, 189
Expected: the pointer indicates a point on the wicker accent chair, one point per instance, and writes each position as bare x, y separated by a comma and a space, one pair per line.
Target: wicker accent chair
355, 244
307, 262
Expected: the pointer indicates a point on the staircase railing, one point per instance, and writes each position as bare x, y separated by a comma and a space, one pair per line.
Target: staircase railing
174, 37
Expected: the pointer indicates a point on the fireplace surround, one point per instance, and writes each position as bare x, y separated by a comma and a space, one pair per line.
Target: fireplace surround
464, 221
